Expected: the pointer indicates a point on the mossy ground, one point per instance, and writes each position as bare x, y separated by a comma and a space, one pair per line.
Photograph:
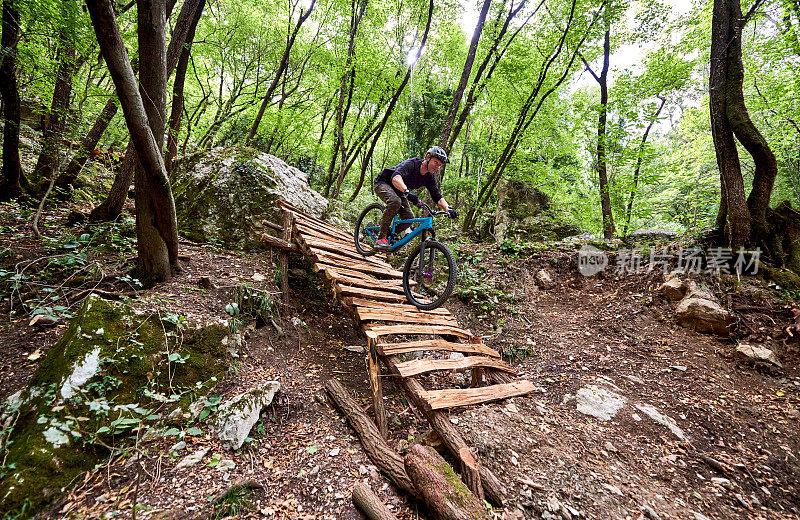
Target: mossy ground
149, 364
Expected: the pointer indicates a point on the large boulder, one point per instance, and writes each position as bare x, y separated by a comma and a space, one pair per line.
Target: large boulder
113, 371
223, 195
523, 212
235, 418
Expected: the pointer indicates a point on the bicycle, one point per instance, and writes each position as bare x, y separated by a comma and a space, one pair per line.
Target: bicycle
426, 287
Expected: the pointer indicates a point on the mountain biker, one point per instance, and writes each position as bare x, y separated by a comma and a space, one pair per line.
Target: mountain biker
393, 187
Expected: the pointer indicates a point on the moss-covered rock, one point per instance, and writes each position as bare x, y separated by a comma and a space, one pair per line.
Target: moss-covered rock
223, 195
785, 278
113, 371
523, 212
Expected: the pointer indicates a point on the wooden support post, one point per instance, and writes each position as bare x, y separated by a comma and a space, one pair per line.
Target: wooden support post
477, 377
286, 234
377, 387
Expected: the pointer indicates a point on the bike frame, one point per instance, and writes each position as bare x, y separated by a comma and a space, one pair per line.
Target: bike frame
425, 226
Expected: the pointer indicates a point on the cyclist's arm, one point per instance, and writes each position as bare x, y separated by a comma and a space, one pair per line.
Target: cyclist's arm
443, 204
397, 182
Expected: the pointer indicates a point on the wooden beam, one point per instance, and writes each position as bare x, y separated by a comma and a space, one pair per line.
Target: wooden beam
404, 317
360, 302
375, 331
347, 290
280, 243
454, 397
390, 349
423, 366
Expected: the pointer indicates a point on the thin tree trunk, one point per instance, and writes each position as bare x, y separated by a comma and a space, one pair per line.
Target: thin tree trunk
605, 193
48, 161
639, 166
12, 179
89, 143
176, 110
279, 73
444, 138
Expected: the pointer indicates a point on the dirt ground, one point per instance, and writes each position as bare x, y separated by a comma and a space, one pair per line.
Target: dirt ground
728, 448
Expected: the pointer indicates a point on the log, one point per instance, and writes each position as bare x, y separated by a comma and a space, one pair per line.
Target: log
385, 458
369, 503
441, 489
279, 243
470, 468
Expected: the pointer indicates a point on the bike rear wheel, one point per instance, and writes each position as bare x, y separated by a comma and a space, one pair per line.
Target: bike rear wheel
429, 287
368, 227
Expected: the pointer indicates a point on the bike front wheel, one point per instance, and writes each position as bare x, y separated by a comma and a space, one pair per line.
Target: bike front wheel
429, 275
368, 226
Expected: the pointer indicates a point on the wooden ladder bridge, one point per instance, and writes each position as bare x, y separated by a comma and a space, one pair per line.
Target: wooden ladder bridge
372, 290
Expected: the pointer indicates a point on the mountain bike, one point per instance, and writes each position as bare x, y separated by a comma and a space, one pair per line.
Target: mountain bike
429, 274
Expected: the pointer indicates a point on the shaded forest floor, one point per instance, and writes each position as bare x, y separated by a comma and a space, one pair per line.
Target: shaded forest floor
732, 451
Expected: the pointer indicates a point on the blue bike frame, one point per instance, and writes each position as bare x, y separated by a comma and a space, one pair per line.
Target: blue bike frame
425, 224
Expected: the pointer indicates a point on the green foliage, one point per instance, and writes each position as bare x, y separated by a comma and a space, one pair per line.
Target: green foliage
235, 501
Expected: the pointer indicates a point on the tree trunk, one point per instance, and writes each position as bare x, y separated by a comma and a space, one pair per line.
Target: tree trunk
724, 42
279, 73
441, 489
48, 161
639, 166
12, 179
111, 208
176, 110
444, 138
155, 223
605, 193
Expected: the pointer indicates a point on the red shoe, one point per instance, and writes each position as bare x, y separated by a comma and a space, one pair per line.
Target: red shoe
383, 244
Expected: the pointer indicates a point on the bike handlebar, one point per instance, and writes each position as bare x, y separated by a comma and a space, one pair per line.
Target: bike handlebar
432, 212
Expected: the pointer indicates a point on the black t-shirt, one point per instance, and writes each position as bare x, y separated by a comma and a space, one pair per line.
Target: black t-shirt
409, 170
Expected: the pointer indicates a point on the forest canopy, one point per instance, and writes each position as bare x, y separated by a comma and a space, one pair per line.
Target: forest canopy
607, 107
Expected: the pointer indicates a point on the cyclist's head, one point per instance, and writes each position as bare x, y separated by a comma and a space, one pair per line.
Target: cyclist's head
437, 152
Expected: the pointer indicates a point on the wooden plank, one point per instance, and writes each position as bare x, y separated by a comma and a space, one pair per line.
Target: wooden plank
313, 230
453, 397
334, 258
332, 247
375, 331
350, 274
390, 349
423, 366
365, 314
358, 302
346, 290
382, 285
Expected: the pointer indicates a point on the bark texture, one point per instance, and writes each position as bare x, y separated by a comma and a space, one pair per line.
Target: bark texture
441, 489
12, 179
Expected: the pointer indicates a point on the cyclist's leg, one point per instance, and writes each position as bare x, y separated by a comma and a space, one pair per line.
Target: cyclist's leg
393, 203
404, 213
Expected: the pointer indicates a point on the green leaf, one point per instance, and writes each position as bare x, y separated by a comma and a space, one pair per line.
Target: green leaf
312, 449
194, 430
212, 463
172, 432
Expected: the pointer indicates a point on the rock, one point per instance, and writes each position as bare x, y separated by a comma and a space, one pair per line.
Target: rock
524, 212
236, 417
757, 353
226, 465
192, 459
111, 363
673, 289
663, 420
224, 195
544, 279
650, 236
513, 514
598, 402
698, 312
